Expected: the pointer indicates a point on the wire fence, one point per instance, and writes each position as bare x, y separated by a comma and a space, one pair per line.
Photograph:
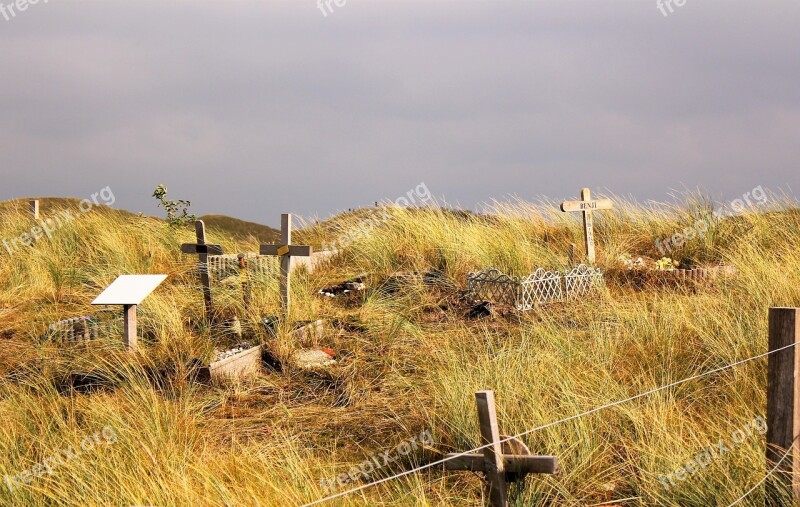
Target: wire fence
567, 419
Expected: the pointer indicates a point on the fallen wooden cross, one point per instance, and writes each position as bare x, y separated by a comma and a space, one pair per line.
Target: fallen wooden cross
502, 463
286, 251
203, 250
586, 206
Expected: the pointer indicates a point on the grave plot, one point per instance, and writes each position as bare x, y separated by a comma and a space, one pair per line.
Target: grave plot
539, 288
641, 273
85, 328
274, 261
248, 269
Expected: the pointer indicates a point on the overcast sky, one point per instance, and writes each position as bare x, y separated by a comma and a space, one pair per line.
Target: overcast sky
253, 108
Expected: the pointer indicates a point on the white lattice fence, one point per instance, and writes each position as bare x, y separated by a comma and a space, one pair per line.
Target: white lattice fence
258, 267
582, 281
539, 288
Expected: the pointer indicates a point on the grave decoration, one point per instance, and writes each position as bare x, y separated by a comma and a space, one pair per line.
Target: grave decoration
344, 289
643, 272
539, 288
586, 206
504, 460
129, 291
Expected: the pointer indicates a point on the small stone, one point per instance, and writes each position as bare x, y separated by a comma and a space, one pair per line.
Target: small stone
309, 359
238, 349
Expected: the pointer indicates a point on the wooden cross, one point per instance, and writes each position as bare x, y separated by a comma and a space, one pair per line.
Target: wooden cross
285, 250
502, 463
203, 250
586, 205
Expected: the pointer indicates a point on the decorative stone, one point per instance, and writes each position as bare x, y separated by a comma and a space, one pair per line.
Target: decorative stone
309, 359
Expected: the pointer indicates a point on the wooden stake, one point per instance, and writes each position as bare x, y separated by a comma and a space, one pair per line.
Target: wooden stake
34, 203
783, 406
130, 333
245, 281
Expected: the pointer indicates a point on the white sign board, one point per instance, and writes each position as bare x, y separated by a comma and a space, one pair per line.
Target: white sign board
129, 289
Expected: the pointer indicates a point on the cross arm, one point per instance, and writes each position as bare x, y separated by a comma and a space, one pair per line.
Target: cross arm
567, 206
512, 463
192, 248
294, 250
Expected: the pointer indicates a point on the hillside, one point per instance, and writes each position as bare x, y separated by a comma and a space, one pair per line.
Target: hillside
409, 360
241, 229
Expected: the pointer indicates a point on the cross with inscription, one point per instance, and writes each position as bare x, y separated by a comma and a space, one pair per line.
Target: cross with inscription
509, 461
586, 206
285, 250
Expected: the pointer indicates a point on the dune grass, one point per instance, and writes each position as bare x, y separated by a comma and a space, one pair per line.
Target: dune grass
409, 362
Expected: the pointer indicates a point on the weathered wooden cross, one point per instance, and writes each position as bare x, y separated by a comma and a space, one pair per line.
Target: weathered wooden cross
203, 250
586, 205
502, 463
285, 250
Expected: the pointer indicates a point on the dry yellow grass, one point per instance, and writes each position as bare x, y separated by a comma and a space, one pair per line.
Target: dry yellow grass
412, 362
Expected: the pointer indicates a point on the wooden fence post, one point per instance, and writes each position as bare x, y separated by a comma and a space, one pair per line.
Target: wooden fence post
783, 406
34, 205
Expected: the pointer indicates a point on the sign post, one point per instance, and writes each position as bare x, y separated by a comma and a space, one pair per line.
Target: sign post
129, 291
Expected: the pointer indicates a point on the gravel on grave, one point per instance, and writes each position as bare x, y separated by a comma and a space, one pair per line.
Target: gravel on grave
238, 349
